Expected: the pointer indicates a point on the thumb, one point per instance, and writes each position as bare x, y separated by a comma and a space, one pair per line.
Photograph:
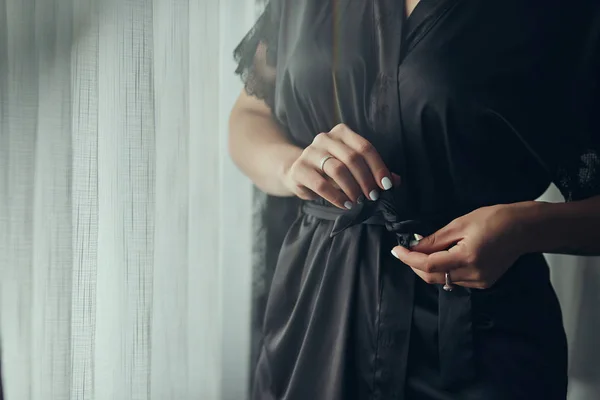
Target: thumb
441, 240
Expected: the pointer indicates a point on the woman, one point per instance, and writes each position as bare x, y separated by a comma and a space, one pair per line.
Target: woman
394, 121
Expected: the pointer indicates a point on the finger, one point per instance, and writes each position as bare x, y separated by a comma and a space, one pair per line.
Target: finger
368, 152
306, 194
431, 279
442, 261
336, 171
335, 185
352, 160
465, 274
343, 178
474, 285
315, 182
440, 240
440, 279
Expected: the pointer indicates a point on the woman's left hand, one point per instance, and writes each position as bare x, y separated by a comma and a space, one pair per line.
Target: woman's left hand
477, 248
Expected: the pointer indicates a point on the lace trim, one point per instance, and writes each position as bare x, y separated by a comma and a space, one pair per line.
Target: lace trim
581, 179
256, 56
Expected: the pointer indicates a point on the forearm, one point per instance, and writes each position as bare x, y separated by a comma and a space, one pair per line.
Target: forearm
565, 228
261, 150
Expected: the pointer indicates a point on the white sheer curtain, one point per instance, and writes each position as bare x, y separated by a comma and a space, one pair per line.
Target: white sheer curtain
124, 229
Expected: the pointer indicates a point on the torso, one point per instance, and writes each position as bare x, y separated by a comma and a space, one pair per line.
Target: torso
465, 100
440, 98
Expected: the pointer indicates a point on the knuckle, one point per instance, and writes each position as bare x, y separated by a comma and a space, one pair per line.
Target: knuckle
429, 267
304, 157
354, 158
340, 127
457, 224
472, 259
320, 186
365, 147
337, 169
319, 138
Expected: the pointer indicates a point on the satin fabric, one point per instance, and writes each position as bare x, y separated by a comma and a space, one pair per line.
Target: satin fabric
472, 103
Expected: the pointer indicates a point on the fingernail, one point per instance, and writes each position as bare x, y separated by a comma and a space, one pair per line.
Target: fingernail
374, 195
360, 199
386, 183
394, 254
413, 243
348, 205
418, 237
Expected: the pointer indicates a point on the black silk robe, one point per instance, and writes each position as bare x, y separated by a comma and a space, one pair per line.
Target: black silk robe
472, 103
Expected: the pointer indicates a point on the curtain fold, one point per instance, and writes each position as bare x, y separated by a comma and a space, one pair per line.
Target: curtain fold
135, 259
117, 233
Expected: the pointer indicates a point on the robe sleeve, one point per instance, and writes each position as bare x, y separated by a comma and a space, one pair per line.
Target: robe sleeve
578, 166
256, 55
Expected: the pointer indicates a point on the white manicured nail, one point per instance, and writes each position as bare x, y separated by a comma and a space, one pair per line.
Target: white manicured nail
386, 183
374, 195
394, 254
348, 205
418, 237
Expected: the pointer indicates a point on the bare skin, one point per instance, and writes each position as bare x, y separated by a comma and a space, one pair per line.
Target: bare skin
410, 6
354, 171
259, 148
477, 248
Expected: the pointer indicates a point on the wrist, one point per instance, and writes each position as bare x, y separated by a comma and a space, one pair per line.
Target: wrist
287, 155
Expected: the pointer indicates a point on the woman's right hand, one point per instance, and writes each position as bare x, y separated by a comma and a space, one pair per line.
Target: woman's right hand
353, 172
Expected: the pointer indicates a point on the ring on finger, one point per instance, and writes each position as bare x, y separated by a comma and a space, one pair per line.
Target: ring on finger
448, 286
323, 161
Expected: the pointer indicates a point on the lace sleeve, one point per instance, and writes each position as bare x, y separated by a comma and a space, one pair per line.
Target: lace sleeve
256, 56
578, 172
580, 179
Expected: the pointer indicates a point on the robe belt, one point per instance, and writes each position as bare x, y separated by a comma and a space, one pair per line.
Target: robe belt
455, 324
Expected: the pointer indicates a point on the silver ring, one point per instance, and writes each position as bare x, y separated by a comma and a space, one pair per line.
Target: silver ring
448, 286
323, 161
